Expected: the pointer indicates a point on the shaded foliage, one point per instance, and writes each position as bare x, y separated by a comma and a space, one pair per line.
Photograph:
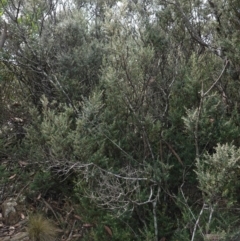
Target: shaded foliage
133, 106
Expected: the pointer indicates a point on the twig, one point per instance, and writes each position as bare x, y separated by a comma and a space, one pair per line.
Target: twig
185, 203
203, 95
22, 190
174, 152
220, 76
197, 221
70, 234
49, 206
210, 218
155, 214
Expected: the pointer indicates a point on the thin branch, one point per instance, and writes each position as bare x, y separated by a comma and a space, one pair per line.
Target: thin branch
125, 178
218, 79
150, 200
3, 35
186, 204
210, 217
155, 215
114, 143
174, 152
203, 95
199, 110
197, 222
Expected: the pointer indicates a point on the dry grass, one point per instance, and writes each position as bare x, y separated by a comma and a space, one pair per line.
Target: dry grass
41, 229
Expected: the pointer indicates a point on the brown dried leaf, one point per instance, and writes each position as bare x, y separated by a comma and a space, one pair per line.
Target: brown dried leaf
77, 235
39, 196
87, 225
22, 163
78, 217
108, 230
10, 178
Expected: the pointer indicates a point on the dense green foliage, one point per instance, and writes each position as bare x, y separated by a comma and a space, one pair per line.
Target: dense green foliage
133, 106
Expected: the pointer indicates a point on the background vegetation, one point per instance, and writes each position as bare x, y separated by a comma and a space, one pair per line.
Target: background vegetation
130, 108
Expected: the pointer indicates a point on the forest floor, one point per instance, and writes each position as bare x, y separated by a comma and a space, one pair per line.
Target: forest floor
58, 209
69, 226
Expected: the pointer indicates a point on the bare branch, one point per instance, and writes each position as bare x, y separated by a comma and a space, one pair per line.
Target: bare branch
3, 35
218, 79
197, 222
